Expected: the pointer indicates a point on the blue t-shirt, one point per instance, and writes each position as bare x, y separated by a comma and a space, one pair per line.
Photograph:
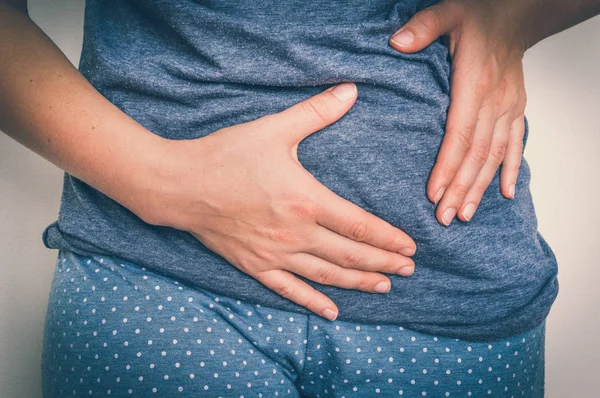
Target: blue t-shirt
185, 69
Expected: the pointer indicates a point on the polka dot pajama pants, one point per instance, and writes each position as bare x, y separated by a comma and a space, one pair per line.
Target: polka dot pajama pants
115, 328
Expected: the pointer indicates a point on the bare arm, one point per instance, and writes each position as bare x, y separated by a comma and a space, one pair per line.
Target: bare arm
485, 128
274, 224
48, 106
545, 18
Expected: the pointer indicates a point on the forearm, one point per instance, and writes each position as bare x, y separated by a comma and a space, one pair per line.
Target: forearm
544, 18
48, 106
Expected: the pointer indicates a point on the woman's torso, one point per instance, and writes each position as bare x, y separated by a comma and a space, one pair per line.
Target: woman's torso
186, 69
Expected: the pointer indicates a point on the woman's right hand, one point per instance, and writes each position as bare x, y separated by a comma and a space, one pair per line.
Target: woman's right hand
242, 192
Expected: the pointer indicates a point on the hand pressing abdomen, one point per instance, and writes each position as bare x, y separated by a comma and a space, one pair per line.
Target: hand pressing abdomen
242, 192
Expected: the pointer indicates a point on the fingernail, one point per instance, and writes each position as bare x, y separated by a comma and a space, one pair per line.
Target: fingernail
448, 216
382, 287
439, 194
403, 38
406, 271
344, 92
407, 251
511, 190
469, 210
329, 314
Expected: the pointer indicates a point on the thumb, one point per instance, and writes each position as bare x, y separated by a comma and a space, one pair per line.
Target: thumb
317, 112
425, 27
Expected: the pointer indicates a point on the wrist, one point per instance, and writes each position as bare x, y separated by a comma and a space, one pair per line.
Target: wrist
168, 171
540, 19
512, 19
533, 23
147, 178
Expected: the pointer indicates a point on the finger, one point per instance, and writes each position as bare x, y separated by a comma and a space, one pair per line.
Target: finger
347, 253
512, 161
326, 273
466, 98
345, 218
313, 114
487, 173
293, 288
425, 27
470, 168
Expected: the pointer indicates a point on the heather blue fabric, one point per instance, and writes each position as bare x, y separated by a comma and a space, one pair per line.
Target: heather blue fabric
115, 328
186, 69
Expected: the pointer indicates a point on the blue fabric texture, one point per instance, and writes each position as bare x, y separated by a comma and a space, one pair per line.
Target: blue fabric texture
186, 69
115, 328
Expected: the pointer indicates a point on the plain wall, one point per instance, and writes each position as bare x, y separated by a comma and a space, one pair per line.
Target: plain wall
563, 85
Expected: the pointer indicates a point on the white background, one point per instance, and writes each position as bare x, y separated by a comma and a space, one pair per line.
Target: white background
563, 85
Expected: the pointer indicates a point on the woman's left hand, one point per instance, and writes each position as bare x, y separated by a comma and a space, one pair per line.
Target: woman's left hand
485, 124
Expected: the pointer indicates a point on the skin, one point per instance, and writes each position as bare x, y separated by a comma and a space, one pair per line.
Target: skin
269, 223
267, 226
487, 40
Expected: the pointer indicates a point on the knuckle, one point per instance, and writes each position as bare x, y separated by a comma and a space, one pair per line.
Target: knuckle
282, 235
506, 112
430, 19
497, 153
392, 266
503, 92
351, 259
315, 108
326, 275
398, 241
523, 98
491, 66
311, 303
266, 256
478, 191
461, 190
513, 97
359, 230
365, 284
521, 102
286, 291
482, 88
485, 82
303, 207
479, 154
463, 137
447, 170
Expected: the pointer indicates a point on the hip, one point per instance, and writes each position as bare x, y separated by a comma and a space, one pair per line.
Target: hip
115, 326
